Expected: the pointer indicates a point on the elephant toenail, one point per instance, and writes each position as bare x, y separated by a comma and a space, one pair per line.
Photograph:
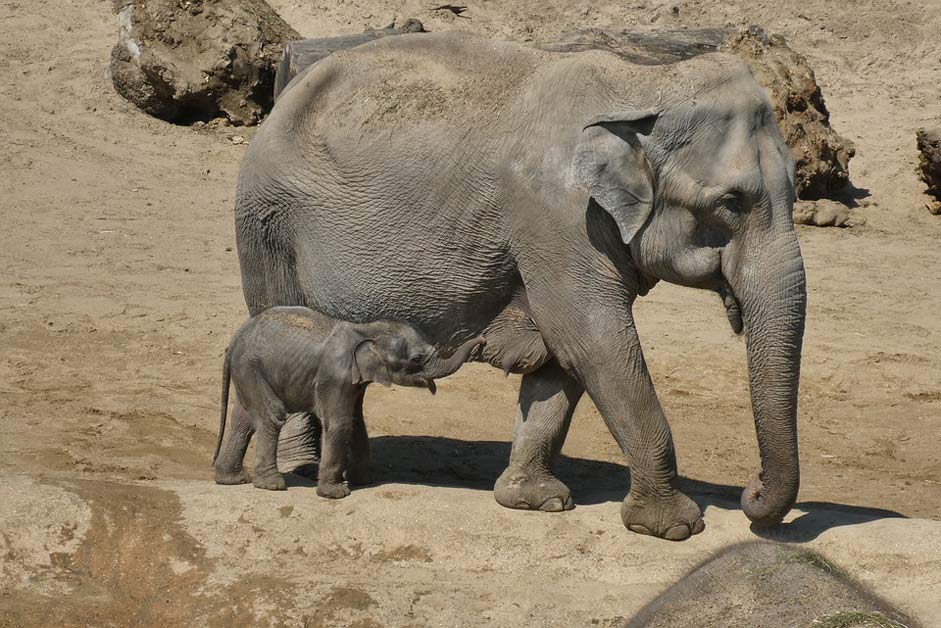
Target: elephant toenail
553, 504
677, 533
639, 529
699, 526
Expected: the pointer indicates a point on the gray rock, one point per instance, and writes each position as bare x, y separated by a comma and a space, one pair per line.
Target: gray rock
768, 584
822, 213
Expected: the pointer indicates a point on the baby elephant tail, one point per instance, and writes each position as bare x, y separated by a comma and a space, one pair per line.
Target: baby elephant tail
226, 366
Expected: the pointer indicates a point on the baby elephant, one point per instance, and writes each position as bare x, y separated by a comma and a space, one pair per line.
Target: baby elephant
294, 359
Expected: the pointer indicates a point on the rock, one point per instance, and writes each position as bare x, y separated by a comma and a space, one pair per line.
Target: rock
303, 53
929, 164
767, 584
822, 155
822, 213
194, 60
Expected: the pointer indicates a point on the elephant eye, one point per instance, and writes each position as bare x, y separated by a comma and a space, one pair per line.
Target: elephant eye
416, 359
735, 201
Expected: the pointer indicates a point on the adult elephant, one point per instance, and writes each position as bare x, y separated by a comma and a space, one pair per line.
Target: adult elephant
467, 186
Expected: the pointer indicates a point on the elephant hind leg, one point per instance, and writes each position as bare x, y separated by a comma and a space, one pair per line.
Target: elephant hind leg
270, 415
269, 269
228, 466
547, 400
299, 445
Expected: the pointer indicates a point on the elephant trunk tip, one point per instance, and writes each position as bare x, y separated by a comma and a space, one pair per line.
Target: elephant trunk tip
764, 507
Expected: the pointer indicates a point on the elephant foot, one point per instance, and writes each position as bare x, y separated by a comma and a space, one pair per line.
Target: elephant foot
270, 482
674, 518
228, 478
516, 488
333, 491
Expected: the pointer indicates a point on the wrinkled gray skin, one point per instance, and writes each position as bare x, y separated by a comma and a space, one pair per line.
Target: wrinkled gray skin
292, 359
468, 186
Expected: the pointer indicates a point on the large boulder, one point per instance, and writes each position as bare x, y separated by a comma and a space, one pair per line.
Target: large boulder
301, 54
194, 60
929, 164
822, 154
768, 584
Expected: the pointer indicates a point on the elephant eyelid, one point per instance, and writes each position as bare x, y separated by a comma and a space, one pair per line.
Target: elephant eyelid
735, 201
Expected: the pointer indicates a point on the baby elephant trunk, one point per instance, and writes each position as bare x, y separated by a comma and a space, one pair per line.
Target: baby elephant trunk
437, 366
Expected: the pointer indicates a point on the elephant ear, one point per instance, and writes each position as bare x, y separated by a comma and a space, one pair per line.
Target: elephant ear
369, 365
610, 164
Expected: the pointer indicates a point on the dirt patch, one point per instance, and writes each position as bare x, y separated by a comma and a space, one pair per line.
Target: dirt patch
134, 566
402, 553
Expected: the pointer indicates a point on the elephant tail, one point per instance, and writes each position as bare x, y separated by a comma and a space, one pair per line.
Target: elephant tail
226, 367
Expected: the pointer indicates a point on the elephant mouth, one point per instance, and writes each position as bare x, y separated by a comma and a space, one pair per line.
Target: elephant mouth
733, 309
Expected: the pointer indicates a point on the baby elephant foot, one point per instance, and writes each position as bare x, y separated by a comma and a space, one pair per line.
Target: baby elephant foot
675, 517
232, 477
270, 482
517, 488
330, 490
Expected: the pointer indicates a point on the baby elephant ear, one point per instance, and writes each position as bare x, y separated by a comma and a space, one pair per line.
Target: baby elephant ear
369, 366
610, 164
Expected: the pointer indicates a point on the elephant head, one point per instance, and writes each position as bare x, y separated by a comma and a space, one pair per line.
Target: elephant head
701, 189
394, 353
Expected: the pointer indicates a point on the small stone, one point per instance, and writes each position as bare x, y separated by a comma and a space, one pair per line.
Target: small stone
822, 213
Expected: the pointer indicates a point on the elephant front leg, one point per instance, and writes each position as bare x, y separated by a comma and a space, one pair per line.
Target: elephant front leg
547, 399
228, 466
616, 377
337, 437
600, 347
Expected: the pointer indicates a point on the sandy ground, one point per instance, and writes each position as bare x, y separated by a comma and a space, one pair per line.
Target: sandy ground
120, 290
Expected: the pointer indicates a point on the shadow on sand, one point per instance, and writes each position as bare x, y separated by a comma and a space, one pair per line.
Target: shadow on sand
440, 461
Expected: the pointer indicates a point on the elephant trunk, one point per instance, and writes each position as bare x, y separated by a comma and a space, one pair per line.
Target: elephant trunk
436, 366
772, 293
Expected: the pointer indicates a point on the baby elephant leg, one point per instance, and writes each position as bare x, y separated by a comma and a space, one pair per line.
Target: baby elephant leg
228, 465
334, 457
269, 419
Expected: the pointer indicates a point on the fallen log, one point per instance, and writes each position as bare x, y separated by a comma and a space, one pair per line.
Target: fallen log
301, 54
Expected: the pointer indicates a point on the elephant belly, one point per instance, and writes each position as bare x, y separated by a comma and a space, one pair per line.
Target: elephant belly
446, 292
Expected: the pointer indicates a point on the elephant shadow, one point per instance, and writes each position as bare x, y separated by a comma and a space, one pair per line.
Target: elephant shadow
476, 465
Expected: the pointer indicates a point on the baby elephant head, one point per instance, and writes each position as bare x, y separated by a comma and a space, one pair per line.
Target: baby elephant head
394, 353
